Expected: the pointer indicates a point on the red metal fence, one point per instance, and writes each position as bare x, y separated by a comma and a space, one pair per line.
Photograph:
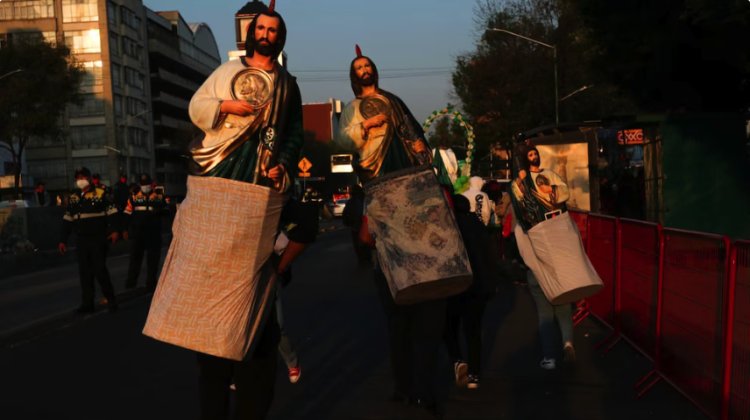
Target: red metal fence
601, 248
693, 320
639, 275
682, 299
738, 392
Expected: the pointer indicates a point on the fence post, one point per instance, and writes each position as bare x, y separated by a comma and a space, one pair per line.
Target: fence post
656, 371
729, 300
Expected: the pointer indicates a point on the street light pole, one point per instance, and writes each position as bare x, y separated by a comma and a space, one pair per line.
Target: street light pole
554, 58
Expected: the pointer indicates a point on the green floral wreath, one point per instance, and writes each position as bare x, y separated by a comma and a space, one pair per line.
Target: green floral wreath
462, 181
456, 117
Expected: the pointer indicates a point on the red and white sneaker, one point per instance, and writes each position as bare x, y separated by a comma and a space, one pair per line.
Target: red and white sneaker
294, 374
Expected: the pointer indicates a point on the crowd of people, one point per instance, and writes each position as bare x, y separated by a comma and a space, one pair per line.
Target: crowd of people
434, 250
99, 216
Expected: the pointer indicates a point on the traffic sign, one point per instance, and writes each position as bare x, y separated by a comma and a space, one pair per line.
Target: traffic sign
304, 165
304, 174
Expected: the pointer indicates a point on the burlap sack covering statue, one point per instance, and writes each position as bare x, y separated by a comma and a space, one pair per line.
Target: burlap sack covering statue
553, 251
548, 239
419, 247
215, 285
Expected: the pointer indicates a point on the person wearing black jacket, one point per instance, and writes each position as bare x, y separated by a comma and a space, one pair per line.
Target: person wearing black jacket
142, 221
467, 308
92, 218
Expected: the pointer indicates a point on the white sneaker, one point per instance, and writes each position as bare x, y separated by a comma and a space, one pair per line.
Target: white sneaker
569, 352
548, 364
461, 371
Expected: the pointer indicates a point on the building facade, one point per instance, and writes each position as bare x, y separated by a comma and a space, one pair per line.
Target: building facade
181, 57
112, 131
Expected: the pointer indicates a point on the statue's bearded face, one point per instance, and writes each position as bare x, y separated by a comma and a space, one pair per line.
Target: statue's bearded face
266, 35
364, 71
533, 157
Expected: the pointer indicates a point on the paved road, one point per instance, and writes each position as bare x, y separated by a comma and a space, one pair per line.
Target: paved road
102, 367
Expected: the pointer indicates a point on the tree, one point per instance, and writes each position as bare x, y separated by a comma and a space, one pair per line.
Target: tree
33, 99
448, 133
507, 84
675, 55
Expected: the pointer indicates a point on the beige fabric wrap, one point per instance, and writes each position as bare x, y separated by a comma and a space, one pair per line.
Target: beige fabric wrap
554, 252
215, 285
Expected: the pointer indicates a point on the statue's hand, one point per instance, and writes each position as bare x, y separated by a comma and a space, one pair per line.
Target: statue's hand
241, 108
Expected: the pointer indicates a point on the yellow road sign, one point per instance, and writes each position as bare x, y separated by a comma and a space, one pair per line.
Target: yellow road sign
304, 165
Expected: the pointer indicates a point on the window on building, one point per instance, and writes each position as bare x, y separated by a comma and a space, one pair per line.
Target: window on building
131, 48
50, 37
6, 11
92, 75
83, 41
47, 169
27, 36
114, 44
111, 13
90, 105
134, 78
80, 11
18, 10
137, 137
116, 76
118, 105
129, 18
87, 136
135, 107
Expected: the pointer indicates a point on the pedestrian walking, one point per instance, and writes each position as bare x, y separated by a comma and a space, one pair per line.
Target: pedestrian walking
548, 240
215, 293
389, 141
466, 310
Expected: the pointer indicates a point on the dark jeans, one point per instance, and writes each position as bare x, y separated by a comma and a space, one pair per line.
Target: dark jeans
415, 334
465, 311
148, 241
92, 260
254, 378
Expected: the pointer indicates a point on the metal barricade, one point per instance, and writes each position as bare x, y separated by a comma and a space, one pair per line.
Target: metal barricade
737, 377
638, 278
689, 350
581, 220
602, 251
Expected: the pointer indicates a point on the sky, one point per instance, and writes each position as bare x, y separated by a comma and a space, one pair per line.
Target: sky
414, 43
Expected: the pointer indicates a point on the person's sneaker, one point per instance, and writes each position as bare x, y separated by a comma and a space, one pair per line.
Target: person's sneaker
473, 382
232, 387
548, 364
569, 352
103, 301
294, 374
461, 371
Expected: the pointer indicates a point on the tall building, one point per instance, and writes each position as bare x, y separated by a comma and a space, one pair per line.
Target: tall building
181, 57
112, 130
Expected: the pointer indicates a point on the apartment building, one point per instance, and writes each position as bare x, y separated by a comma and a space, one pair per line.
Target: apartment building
126, 123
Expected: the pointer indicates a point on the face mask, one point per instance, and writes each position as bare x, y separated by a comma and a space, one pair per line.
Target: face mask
82, 183
146, 189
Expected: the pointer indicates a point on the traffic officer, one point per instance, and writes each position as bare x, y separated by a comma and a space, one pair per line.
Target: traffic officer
92, 218
143, 214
